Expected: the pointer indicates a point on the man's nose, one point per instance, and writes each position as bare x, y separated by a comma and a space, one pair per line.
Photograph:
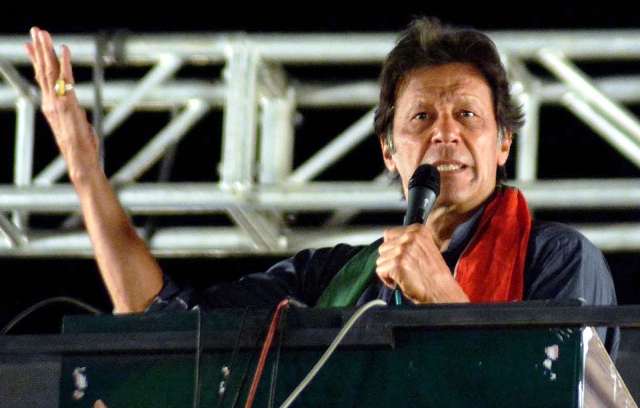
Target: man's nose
446, 130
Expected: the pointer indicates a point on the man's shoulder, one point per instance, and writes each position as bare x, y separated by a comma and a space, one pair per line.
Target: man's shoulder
341, 247
555, 228
338, 254
560, 236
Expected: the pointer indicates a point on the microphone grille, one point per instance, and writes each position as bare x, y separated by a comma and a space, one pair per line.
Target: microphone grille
426, 175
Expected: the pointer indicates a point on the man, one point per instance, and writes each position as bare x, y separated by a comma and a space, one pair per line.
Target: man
444, 101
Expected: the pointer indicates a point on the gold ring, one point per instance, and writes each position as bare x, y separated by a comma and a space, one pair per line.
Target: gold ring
62, 87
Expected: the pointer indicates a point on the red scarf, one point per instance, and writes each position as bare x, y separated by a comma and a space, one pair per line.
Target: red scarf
491, 268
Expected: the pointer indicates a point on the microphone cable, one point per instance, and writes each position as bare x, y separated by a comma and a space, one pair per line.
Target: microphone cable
332, 347
265, 349
58, 299
274, 369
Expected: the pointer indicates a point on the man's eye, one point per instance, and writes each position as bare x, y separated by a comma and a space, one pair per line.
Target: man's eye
421, 116
467, 114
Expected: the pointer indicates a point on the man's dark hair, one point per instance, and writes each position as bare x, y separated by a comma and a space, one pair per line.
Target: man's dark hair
427, 42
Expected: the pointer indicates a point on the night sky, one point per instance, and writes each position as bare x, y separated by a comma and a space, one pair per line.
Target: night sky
89, 17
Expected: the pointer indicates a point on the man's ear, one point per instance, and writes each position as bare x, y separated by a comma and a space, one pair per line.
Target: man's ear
387, 154
505, 147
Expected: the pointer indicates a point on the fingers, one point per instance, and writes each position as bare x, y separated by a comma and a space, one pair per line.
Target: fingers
37, 54
44, 59
33, 53
398, 237
71, 128
65, 65
50, 68
49, 61
398, 254
386, 263
66, 73
393, 233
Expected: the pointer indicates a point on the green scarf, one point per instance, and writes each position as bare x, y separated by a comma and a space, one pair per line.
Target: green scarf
349, 283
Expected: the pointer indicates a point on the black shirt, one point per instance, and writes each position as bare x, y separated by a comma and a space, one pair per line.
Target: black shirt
561, 263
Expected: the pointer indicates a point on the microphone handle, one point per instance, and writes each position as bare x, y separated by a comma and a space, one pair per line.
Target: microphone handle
420, 201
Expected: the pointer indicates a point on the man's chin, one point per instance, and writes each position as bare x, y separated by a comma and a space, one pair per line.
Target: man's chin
458, 199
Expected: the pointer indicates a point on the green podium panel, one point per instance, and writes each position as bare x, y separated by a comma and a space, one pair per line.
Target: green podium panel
391, 357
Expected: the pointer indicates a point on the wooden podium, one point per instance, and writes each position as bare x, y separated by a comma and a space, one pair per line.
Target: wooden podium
527, 354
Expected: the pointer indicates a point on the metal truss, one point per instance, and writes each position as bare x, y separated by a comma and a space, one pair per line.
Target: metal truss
281, 153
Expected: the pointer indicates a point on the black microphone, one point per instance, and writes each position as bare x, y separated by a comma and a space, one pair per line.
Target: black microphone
424, 187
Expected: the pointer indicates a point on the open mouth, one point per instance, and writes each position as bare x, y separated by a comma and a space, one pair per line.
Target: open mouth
449, 167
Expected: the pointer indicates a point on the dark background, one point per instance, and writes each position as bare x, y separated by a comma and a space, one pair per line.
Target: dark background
29, 281
336, 16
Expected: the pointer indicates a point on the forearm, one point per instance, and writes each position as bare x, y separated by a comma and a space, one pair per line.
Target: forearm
132, 277
130, 273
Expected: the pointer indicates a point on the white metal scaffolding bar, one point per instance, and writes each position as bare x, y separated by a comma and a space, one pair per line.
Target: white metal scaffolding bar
280, 118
